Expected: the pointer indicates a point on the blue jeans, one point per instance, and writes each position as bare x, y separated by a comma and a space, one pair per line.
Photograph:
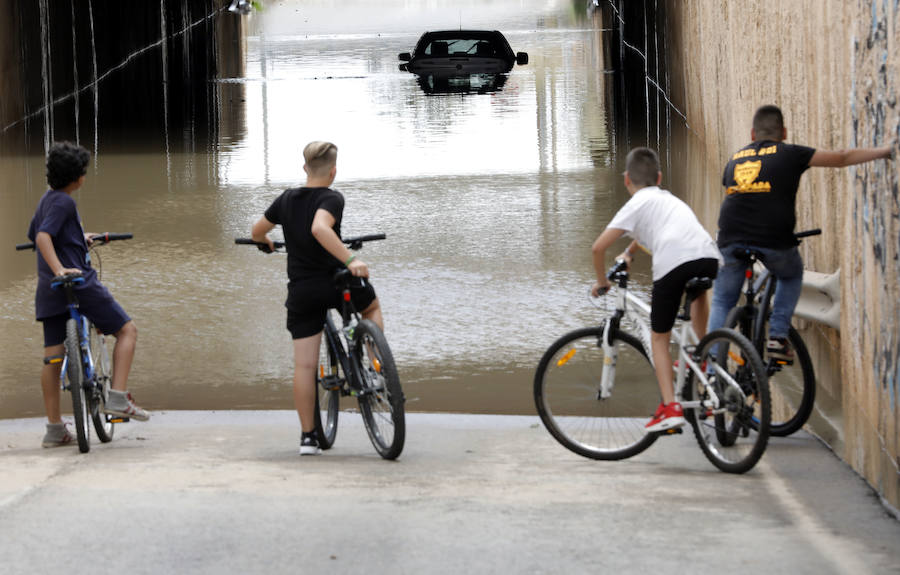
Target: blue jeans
785, 264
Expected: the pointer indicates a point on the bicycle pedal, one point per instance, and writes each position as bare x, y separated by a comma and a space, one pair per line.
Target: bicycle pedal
120, 420
674, 431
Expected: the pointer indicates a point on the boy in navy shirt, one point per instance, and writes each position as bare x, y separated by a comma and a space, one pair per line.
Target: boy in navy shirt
62, 249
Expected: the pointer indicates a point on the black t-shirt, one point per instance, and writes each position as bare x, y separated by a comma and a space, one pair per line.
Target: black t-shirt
294, 210
761, 183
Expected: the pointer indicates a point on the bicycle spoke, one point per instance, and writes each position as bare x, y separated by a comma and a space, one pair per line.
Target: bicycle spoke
567, 383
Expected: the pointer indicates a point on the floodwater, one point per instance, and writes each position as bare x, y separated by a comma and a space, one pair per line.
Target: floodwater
490, 202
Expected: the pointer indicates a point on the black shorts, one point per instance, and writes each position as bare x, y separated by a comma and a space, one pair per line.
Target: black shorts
310, 299
666, 297
96, 304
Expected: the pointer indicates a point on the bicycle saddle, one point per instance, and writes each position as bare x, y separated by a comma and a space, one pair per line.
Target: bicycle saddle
697, 285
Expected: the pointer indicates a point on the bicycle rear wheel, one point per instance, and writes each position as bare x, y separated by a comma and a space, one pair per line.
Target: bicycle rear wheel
381, 400
793, 386
727, 435
567, 394
103, 424
329, 380
75, 375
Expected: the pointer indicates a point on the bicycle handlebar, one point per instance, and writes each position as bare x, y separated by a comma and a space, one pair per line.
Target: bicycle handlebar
354, 243
250, 242
103, 238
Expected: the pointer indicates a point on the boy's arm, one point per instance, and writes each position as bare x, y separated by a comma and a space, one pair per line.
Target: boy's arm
601, 244
844, 158
323, 230
44, 243
260, 229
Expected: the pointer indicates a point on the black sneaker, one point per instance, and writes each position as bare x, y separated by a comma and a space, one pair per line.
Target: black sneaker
779, 349
309, 444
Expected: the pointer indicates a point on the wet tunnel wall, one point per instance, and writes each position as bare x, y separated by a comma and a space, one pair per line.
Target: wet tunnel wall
832, 66
111, 74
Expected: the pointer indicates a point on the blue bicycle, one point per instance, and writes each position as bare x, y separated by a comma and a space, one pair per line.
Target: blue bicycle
86, 367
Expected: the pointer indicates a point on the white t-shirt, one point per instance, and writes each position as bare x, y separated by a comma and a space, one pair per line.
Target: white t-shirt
666, 227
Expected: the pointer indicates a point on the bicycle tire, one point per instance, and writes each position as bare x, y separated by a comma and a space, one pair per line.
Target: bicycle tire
793, 387
567, 395
381, 400
103, 424
328, 394
75, 375
739, 402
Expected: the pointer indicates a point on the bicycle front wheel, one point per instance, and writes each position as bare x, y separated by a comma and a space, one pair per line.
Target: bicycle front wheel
75, 375
732, 423
103, 424
328, 394
598, 422
381, 400
793, 385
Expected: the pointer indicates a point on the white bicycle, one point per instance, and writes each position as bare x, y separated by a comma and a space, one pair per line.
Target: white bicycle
595, 387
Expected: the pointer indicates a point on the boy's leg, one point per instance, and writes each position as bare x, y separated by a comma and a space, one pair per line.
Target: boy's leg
727, 287
123, 355
787, 266
662, 360
50, 383
700, 315
373, 313
306, 359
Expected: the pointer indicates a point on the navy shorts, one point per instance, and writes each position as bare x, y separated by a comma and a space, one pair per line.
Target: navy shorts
666, 297
309, 301
95, 303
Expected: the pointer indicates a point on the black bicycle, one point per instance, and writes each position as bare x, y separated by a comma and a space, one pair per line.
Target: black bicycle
793, 381
356, 361
86, 367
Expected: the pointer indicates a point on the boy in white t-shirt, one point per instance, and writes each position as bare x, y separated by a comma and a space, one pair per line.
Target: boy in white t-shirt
681, 248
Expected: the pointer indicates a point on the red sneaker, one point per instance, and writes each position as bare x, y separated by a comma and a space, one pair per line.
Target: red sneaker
666, 417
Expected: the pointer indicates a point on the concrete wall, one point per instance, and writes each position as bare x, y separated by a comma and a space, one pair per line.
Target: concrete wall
832, 66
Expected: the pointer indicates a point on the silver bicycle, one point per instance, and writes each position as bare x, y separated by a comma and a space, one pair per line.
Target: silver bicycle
595, 387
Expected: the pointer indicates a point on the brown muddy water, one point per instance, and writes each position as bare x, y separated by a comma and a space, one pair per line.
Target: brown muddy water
489, 201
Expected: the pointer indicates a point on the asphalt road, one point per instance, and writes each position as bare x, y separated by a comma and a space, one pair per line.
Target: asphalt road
226, 492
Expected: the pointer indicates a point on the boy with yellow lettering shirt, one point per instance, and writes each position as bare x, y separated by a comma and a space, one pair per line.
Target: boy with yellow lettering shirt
758, 213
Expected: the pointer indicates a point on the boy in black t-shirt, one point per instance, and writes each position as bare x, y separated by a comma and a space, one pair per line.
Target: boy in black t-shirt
311, 220
62, 247
761, 181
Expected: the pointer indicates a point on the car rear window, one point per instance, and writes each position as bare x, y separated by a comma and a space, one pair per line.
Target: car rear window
460, 46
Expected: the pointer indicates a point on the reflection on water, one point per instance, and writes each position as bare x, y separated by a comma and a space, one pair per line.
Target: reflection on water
461, 83
490, 203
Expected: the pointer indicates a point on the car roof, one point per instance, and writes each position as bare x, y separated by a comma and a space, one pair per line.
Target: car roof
495, 36
438, 34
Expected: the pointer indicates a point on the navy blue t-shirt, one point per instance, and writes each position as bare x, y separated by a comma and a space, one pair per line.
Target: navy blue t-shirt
57, 215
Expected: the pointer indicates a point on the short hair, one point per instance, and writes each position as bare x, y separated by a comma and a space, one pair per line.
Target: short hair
320, 157
66, 162
642, 166
768, 123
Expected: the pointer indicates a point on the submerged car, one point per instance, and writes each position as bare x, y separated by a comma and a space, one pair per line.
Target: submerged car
462, 51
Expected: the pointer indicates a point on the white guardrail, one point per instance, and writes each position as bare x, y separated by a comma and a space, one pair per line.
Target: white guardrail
820, 300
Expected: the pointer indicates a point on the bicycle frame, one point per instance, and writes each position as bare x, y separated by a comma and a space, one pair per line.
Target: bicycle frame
84, 338
759, 289
637, 311
342, 338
